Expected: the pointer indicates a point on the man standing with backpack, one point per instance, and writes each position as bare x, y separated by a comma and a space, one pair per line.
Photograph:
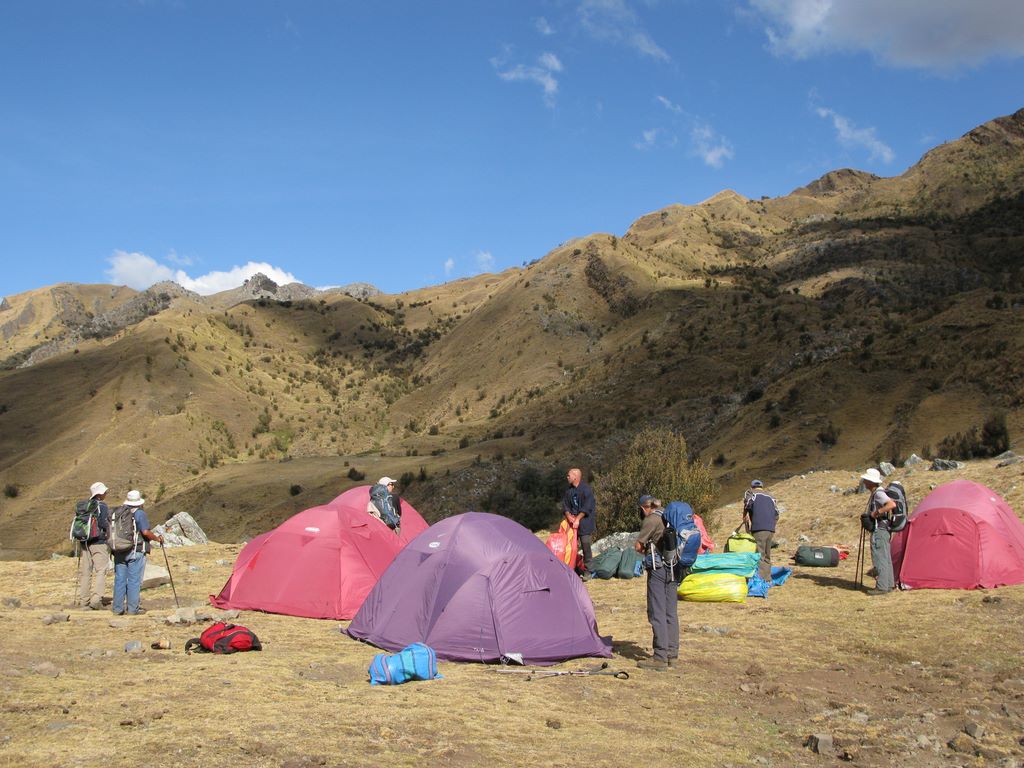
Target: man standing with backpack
662, 583
760, 514
580, 510
89, 529
880, 505
129, 541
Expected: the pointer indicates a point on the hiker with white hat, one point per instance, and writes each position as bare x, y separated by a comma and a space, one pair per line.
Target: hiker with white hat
879, 507
129, 541
384, 503
92, 547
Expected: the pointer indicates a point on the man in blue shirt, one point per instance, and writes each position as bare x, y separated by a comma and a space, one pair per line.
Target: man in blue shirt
760, 514
580, 510
129, 566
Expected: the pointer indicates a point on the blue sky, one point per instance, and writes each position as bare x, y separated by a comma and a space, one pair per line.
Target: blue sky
409, 143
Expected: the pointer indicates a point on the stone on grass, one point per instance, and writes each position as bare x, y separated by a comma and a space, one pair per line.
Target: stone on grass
56, 618
941, 465
133, 647
11, 602
820, 743
913, 460
120, 623
46, 668
1009, 461
974, 730
886, 468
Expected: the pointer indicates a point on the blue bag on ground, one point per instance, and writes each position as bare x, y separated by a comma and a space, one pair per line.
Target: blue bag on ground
758, 587
414, 662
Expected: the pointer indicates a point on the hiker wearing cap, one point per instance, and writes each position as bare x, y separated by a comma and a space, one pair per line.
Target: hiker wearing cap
130, 521
580, 510
662, 600
382, 504
760, 514
879, 507
93, 555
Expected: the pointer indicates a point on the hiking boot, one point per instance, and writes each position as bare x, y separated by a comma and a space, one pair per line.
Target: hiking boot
585, 577
655, 665
673, 661
874, 592
138, 612
96, 606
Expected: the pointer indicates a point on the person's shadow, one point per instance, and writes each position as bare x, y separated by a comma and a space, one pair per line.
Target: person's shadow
629, 650
830, 581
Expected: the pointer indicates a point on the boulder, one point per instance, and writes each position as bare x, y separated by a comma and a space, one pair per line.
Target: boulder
155, 576
913, 460
181, 530
1009, 461
886, 468
940, 465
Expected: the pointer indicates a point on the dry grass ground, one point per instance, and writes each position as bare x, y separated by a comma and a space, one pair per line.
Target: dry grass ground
893, 679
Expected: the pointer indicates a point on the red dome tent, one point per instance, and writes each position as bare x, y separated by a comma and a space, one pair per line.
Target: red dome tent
321, 563
962, 535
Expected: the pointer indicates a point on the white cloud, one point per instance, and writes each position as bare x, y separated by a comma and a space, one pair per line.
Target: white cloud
709, 146
614, 21
670, 106
543, 26
650, 138
941, 35
484, 261
449, 265
849, 135
139, 271
541, 73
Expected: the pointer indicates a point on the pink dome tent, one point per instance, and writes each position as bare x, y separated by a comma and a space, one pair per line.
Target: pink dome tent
320, 563
963, 535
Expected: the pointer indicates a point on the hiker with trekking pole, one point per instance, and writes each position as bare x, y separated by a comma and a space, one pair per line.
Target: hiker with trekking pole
89, 532
129, 541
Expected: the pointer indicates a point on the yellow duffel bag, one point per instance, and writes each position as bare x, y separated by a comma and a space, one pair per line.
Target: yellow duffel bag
713, 588
740, 542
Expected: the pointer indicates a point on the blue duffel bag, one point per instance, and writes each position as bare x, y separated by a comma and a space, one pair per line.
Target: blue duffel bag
414, 662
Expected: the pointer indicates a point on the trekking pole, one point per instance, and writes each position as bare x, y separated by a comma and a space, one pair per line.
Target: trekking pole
859, 575
169, 576
78, 571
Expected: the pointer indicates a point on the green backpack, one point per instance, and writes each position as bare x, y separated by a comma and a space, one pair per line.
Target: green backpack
606, 564
85, 524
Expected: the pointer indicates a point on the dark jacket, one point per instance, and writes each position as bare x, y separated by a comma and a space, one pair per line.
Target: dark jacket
762, 511
581, 499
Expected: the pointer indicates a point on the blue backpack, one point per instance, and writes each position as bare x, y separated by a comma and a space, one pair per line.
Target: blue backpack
382, 500
414, 662
680, 544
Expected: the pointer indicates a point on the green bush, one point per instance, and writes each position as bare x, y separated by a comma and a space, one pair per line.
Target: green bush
656, 463
355, 474
295, 490
11, 491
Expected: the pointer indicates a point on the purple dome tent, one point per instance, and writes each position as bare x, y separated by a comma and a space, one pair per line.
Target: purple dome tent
475, 587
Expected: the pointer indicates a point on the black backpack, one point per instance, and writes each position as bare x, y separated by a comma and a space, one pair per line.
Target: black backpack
899, 516
85, 525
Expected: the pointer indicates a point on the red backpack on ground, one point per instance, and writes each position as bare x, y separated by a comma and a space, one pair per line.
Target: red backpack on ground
224, 638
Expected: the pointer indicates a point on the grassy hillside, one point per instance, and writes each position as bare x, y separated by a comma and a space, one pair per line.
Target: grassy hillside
856, 319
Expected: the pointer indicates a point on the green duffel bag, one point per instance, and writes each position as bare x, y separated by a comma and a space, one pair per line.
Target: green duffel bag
822, 557
627, 565
605, 565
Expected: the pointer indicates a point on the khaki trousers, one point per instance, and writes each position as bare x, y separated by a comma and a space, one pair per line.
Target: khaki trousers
92, 574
